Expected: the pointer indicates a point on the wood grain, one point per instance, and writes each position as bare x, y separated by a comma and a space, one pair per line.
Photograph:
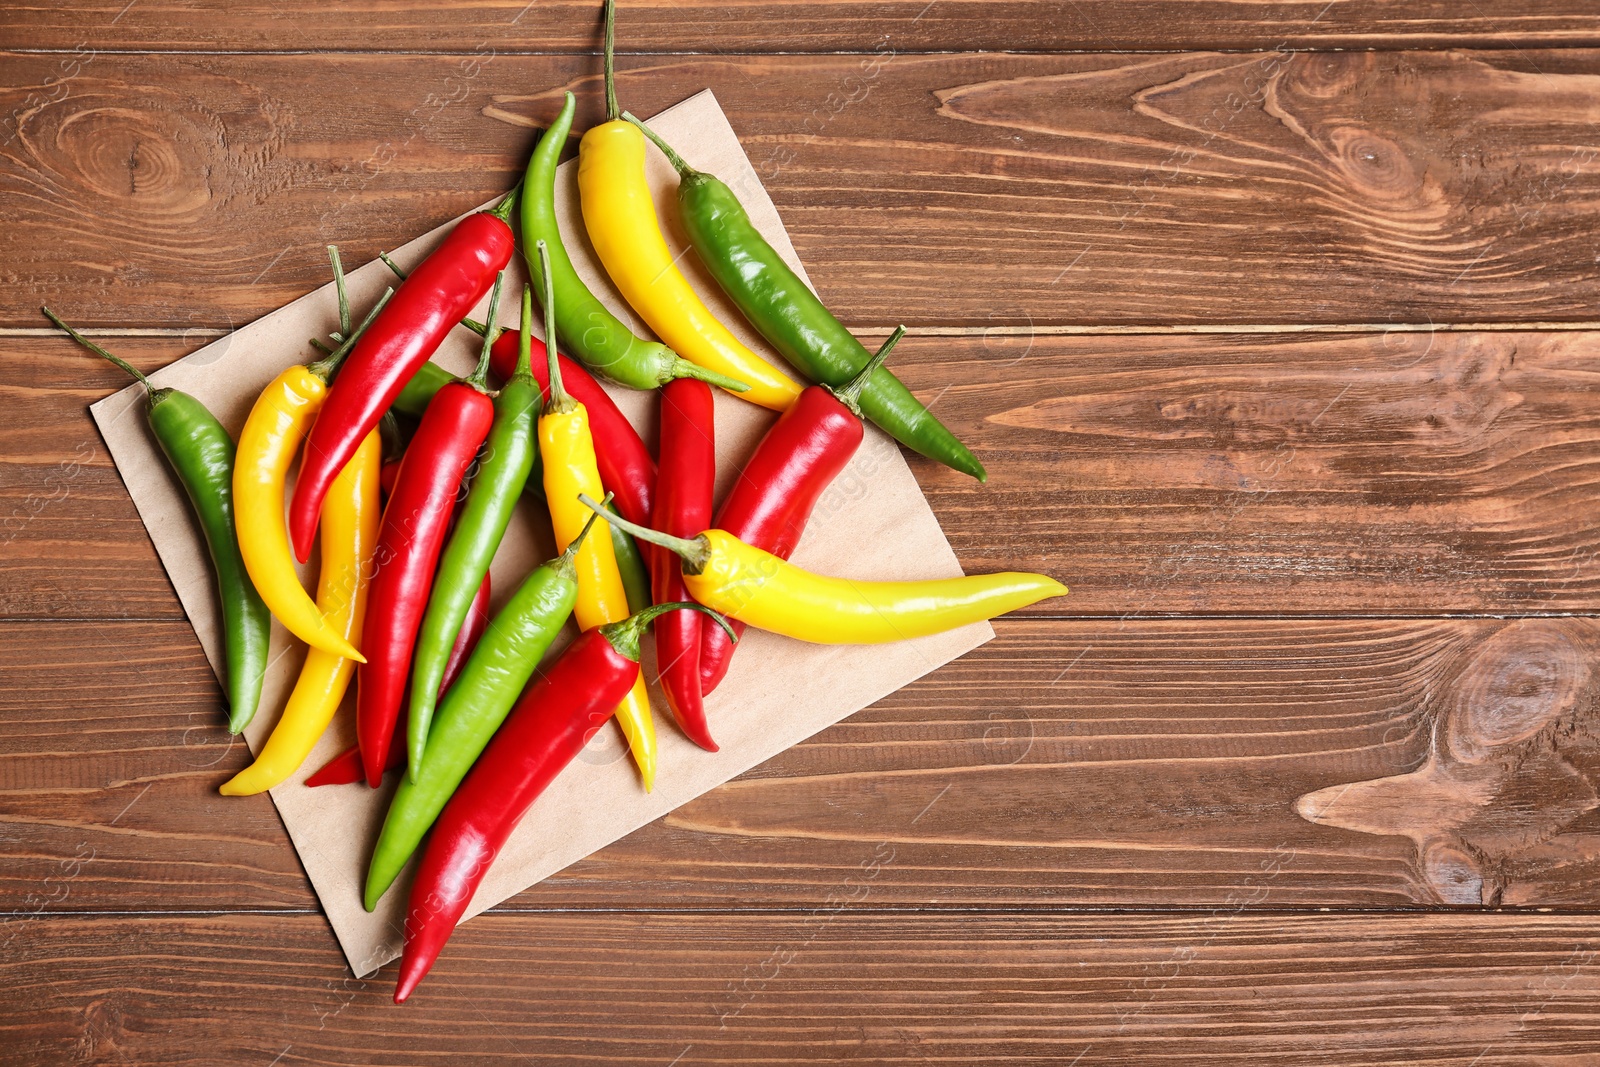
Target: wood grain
768, 26
1494, 990
1366, 474
963, 190
1178, 762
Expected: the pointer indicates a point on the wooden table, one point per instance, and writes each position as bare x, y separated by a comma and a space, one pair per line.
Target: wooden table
1275, 323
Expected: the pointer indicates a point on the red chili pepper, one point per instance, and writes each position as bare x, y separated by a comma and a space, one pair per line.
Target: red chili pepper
549, 726
773, 497
346, 766
428, 304
682, 509
415, 522
626, 468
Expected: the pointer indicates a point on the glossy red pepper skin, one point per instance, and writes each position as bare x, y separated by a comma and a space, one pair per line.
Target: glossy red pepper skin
346, 766
546, 730
773, 497
626, 468
684, 485
415, 522
429, 303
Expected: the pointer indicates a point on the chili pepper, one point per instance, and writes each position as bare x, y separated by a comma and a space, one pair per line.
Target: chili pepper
482, 522
444, 287
473, 709
349, 534
683, 509
452, 429
584, 326
620, 214
773, 497
550, 725
200, 453
631, 568
267, 447
570, 470
785, 311
761, 590
625, 464
346, 766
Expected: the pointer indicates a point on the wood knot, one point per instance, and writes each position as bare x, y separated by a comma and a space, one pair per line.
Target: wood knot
1513, 685
1372, 163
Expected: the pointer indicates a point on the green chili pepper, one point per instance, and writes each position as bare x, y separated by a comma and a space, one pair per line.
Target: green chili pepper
635, 575
201, 453
587, 330
429, 379
472, 710
785, 311
507, 460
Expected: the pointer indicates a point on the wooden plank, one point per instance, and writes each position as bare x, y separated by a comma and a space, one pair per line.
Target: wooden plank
1407, 473
1199, 762
768, 26
964, 190
1493, 990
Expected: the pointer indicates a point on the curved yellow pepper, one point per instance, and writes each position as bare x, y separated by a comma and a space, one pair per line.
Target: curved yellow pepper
567, 447
350, 519
620, 215
761, 590
272, 434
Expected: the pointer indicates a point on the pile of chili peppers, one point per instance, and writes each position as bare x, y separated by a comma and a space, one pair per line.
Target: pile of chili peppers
402, 600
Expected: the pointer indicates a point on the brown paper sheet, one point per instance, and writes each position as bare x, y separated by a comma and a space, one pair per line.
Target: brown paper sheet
873, 523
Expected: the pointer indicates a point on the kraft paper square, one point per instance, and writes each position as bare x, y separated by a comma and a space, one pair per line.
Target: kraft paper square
873, 523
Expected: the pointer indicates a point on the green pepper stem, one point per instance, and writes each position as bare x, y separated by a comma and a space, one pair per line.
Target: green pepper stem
525, 336
472, 324
389, 436
849, 394
682, 368
571, 551
149, 387
683, 169
320, 347
560, 402
479, 379
612, 111
625, 634
325, 367
344, 296
503, 209
696, 552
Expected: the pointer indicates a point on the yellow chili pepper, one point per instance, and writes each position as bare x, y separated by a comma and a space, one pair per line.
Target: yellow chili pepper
567, 447
280, 419
620, 215
761, 590
350, 517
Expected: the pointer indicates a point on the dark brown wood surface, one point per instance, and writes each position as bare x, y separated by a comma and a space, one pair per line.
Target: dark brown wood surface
982, 191
1282, 359
764, 26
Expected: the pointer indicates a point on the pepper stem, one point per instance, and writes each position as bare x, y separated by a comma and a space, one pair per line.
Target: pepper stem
696, 552
683, 169
624, 635
338, 283
612, 111
525, 336
682, 368
571, 551
560, 402
479, 379
503, 209
149, 388
849, 394
324, 367
472, 324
